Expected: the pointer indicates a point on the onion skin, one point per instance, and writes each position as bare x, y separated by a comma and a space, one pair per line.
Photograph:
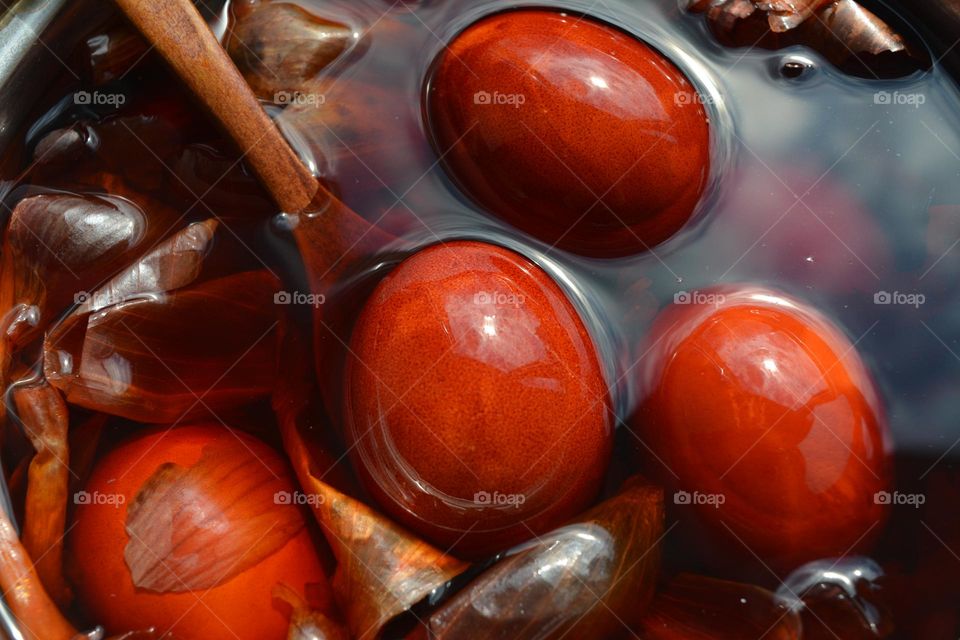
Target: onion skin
281, 48
23, 592
242, 604
382, 569
591, 578
43, 414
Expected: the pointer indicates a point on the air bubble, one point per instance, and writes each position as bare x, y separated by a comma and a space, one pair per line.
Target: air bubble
795, 67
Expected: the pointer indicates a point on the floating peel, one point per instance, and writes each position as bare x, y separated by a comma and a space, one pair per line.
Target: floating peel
382, 570
43, 414
591, 578
846, 33
281, 48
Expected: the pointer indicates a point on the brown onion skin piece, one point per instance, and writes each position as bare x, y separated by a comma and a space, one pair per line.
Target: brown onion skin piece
179, 512
695, 607
847, 34
382, 570
201, 349
151, 344
55, 247
281, 48
59, 245
24, 593
781, 15
533, 594
43, 414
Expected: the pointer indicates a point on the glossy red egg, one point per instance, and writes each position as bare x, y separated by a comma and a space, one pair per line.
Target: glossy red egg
766, 423
237, 601
570, 129
475, 400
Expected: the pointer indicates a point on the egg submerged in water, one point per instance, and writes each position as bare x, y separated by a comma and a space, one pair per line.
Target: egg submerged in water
571, 130
766, 424
476, 408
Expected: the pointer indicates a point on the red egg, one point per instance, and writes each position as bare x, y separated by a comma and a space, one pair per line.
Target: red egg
764, 420
570, 129
197, 481
475, 400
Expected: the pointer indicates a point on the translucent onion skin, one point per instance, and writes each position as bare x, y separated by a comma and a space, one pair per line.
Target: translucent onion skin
589, 579
58, 245
843, 31
382, 570
281, 48
24, 594
165, 340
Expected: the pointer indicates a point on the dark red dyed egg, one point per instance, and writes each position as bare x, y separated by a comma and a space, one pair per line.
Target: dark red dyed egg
475, 401
766, 423
570, 129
